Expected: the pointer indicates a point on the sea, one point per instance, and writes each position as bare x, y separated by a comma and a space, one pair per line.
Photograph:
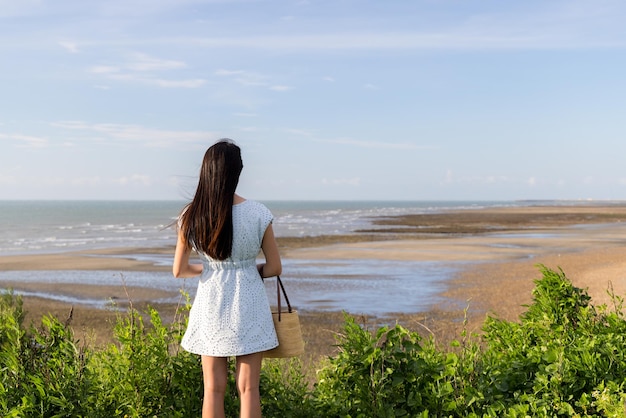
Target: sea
372, 287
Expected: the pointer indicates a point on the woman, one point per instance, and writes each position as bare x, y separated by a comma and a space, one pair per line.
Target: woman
230, 315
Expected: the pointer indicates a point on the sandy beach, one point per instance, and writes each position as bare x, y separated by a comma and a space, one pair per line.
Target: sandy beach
501, 248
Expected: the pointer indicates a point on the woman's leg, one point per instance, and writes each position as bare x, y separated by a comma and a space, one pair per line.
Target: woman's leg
215, 372
248, 375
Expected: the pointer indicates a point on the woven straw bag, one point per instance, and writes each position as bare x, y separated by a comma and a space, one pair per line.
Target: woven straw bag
287, 324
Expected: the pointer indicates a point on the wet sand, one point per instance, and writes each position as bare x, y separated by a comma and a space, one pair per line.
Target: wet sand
501, 247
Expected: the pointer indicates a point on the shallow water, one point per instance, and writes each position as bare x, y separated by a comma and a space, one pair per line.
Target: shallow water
374, 287
56, 226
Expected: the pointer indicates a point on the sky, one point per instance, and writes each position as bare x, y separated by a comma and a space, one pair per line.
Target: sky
328, 99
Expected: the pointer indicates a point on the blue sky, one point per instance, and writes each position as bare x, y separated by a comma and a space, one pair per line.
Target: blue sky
329, 99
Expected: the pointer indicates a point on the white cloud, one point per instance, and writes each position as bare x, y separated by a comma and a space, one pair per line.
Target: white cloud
125, 134
299, 132
329, 79
249, 129
71, 47
568, 24
144, 62
534, 25
354, 181
400, 41
134, 180
159, 82
280, 88
251, 79
26, 141
245, 78
8, 180
374, 144
11, 8
142, 8
49, 181
310, 135
223, 72
188, 84
87, 181
495, 179
143, 69
105, 69
174, 181
451, 179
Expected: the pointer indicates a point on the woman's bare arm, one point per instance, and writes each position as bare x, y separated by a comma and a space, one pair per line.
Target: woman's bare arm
181, 267
273, 265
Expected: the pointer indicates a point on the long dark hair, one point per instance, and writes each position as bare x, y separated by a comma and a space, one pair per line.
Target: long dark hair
207, 222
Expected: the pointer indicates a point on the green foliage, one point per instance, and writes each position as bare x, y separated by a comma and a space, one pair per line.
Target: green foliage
43, 370
386, 374
284, 389
564, 358
144, 373
560, 357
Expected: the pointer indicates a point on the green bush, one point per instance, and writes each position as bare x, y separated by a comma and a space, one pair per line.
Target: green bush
284, 389
144, 373
386, 374
44, 372
564, 357
560, 357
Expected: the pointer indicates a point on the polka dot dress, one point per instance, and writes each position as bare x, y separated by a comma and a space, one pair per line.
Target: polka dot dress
230, 315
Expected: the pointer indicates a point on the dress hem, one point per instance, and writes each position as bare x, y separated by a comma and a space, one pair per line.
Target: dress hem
231, 355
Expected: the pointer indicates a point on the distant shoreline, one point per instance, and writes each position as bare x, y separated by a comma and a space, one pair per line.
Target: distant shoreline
393, 229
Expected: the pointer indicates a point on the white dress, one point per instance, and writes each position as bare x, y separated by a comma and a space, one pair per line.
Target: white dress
230, 315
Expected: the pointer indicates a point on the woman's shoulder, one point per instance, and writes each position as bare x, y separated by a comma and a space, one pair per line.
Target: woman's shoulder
256, 209
252, 206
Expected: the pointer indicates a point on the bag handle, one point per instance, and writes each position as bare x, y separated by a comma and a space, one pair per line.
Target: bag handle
279, 287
